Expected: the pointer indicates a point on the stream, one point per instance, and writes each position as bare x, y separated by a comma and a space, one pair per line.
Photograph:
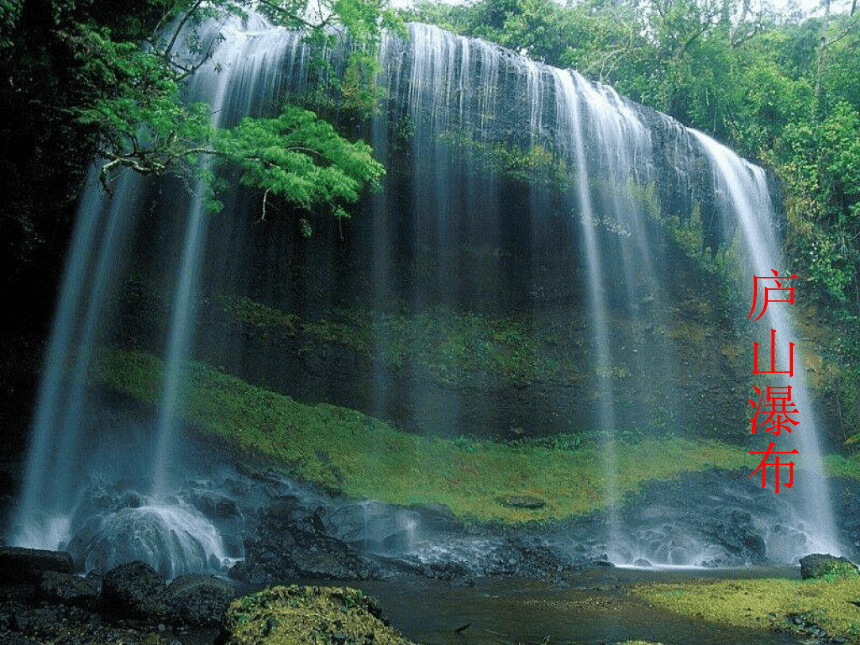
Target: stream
592, 608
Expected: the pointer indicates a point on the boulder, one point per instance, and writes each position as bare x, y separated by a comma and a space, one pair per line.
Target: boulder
20, 565
68, 589
198, 599
134, 590
822, 565
737, 533
309, 614
372, 526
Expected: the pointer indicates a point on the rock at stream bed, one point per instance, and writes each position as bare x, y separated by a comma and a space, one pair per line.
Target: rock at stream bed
820, 565
198, 599
309, 614
23, 565
68, 589
134, 590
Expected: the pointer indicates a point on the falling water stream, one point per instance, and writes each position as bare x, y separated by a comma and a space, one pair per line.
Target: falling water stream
743, 188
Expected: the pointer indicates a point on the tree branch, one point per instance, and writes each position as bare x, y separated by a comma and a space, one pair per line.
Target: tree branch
294, 17
181, 25
265, 199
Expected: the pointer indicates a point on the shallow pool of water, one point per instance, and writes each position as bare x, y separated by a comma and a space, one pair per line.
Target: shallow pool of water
590, 608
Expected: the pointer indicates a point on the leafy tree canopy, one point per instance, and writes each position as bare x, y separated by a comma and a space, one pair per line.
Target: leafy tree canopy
130, 72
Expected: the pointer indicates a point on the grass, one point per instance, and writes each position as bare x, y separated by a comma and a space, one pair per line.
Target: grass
344, 450
773, 604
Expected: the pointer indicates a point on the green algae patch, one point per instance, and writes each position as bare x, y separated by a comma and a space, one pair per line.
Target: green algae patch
297, 615
809, 607
344, 450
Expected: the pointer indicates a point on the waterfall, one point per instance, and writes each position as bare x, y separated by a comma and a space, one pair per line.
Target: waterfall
512, 186
479, 95
57, 452
743, 189
65, 459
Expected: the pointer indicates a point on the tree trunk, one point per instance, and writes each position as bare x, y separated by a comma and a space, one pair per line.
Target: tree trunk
819, 62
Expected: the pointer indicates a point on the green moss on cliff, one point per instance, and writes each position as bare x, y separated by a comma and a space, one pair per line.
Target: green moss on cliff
450, 345
342, 449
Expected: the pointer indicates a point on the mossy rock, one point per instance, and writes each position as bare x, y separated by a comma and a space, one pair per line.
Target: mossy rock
297, 615
829, 567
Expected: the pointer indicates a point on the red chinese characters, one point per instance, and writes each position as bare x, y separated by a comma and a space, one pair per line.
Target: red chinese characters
773, 412
776, 278
775, 415
763, 466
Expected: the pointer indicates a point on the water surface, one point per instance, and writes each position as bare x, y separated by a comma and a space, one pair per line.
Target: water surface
590, 608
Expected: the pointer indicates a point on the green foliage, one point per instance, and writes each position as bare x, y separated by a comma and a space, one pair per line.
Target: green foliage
535, 166
265, 318
840, 570
300, 157
455, 346
131, 99
821, 164
778, 604
10, 10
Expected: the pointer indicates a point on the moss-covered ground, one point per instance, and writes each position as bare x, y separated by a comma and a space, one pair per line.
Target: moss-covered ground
344, 450
297, 615
802, 607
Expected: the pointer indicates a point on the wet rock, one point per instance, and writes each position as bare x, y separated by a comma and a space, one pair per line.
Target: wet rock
26, 565
704, 519
215, 505
373, 526
68, 589
820, 565
199, 599
436, 518
134, 590
738, 534
293, 541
